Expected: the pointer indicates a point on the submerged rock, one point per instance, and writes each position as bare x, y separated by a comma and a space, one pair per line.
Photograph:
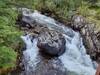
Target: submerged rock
51, 42
50, 67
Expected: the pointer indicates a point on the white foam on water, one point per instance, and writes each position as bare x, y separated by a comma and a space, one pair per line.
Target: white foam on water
30, 54
75, 59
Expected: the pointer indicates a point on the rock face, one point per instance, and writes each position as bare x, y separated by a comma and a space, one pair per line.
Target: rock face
78, 22
90, 39
51, 42
98, 36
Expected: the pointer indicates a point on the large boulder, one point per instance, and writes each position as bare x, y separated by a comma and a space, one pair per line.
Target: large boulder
51, 42
78, 22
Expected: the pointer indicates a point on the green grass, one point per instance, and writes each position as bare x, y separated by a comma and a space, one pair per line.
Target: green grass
9, 36
91, 12
61, 9
7, 57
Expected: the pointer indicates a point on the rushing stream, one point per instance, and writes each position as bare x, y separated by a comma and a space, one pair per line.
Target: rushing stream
75, 60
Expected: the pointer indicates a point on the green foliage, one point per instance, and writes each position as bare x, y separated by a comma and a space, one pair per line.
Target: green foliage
62, 9
9, 35
7, 55
84, 9
91, 12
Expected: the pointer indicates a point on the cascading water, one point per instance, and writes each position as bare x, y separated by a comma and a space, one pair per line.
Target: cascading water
30, 54
75, 59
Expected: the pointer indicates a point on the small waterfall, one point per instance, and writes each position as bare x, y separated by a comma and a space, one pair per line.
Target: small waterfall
30, 58
75, 59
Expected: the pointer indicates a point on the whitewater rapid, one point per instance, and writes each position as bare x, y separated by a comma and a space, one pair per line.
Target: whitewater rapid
75, 59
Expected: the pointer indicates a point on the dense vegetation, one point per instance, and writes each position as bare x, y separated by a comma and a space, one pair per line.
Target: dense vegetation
9, 36
62, 9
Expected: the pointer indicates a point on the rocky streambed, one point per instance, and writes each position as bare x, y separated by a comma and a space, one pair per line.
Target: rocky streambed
51, 48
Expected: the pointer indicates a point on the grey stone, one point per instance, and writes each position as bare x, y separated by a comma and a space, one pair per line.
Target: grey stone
78, 22
51, 42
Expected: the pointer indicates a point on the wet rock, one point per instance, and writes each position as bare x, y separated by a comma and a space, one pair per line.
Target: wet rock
78, 22
51, 42
50, 67
35, 63
32, 18
24, 15
90, 38
98, 35
91, 41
